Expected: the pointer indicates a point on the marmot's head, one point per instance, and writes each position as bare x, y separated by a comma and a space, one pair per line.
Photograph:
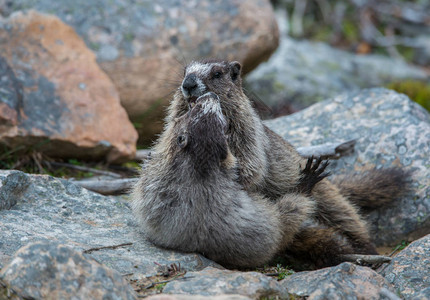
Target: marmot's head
220, 77
200, 141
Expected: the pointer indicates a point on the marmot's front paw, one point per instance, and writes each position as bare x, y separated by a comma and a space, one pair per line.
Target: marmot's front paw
312, 174
208, 95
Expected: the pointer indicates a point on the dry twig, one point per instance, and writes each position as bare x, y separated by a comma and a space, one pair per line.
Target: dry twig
143, 154
107, 187
361, 259
176, 277
328, 150
106, 247
82, 168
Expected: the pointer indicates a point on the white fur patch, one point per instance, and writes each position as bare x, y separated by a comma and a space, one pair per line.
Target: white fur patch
212, 106
201, 87
201, 70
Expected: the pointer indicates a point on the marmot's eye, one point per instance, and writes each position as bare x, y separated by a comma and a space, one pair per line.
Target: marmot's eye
182, 141
217, 75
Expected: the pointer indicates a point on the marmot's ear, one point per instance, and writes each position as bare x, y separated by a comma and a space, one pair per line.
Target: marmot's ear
235, 68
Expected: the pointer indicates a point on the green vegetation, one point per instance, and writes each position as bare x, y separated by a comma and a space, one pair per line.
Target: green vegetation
359, 26
417, 91
283, 271
34, 162
129, 37
402, 245
160, 286
350, 31
279, 272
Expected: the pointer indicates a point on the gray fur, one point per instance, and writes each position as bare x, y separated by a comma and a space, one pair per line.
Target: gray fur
214, 215
233, 192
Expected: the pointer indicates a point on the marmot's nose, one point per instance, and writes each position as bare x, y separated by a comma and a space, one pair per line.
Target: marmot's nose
189, 83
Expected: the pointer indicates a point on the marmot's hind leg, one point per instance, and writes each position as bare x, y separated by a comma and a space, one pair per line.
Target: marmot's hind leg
334, 210
317, 246
337, 212
294, 209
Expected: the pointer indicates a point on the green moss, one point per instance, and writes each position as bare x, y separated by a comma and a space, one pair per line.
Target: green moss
132, 165
129, 37
402, 245
417, 91
94, 46
160, 286
75, 162
323, 34
407, 52
278, 86
350, 31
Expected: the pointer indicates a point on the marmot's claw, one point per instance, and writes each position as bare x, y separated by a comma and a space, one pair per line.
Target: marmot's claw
312, 174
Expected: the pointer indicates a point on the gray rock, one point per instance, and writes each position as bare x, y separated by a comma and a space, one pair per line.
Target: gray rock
423, 295
46, 270
304, 72
50, 209
54, 98
197, 297
390, 131
211, 281
409, 271
143, 44
422, 54
12, 186
345, 281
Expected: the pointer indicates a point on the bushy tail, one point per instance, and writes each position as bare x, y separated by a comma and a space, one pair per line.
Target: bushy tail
374, 188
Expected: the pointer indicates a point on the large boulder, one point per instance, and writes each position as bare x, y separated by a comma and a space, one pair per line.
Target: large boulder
409, 271
345, 281
54, 97
197, 297
46, 270
143, 45
302, 72
390, 131
211, 282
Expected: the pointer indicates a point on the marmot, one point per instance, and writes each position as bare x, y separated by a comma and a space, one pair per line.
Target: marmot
242, 194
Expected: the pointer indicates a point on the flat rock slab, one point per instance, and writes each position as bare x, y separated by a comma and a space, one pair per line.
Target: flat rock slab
50, 209
46, 270
390, 130
409, 271
56, 99
197, 297
345, 281
212, 281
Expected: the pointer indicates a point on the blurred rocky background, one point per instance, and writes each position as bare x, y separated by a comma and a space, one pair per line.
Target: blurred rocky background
329, 47
83, 91
320, 48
